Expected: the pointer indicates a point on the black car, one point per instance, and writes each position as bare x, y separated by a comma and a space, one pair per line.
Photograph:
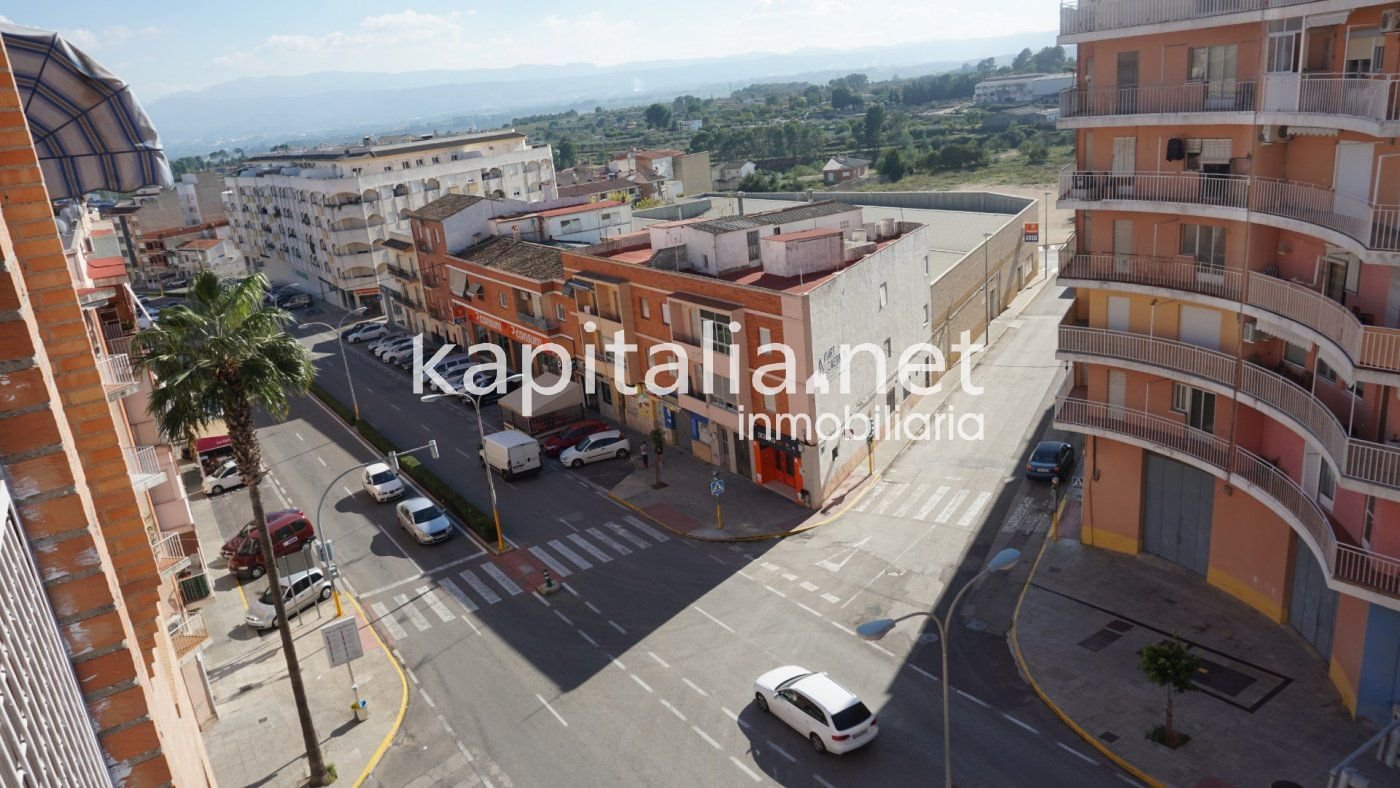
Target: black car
1050, 459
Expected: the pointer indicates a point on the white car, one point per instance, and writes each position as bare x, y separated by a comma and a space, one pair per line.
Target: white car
381, 482
598, 446
389, 338
402, 354
424, 521
299, 590
366, 332
831, 717
402, 343
225, 477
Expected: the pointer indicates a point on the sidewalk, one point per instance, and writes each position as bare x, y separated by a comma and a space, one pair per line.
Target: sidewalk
1264, 710
257, 739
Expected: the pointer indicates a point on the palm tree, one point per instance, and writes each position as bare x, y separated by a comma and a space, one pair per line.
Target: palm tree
223, 355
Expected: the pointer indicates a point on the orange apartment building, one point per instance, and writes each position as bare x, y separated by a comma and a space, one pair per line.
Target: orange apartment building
1235, 337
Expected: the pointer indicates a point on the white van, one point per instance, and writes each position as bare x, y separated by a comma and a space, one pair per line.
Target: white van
512, 453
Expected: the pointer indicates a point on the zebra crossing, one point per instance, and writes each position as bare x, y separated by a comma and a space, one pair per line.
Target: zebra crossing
485, 584
941, 504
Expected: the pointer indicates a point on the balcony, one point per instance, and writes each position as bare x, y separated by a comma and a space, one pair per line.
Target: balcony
1079, 18
189, 635
536, 322
402, 274
1348, 220
118, 379
1177, 274
170, 554
1371, 467
144, 466
404, 299
1170, 99
1369, 97
1366, 346
1375, 574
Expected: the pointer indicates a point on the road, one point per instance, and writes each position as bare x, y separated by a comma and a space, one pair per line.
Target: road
640, 671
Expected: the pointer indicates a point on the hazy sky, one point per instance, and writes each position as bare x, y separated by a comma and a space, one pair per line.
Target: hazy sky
161, 47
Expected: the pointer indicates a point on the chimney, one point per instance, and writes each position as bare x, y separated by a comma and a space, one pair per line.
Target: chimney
515, 231
740, 196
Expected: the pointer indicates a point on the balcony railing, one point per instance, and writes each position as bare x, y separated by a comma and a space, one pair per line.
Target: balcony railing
1218, 96
1210, 365
536, 321
118, 380
170, 553
1146, 427
1370, 96
403, 274
191, 633
1175, 273
1092, 16
1375, 227
144, 466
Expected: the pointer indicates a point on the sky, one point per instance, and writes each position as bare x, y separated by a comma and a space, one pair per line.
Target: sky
162, 47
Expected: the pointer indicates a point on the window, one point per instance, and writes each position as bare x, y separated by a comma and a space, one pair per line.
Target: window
765, 337
504, 301
753, 245
926, 265
388, 168
770, 403
1365, 51
1207, 155
419, 162
925, 314
605, 216
1284, 36
1212, 63
404, 165
666, 313
606, 391
1295, 354
1325, 372
559, 311
646, 309
1206, 244
1326, 484
884, 295
1181, 397
886, 346
719, 336
435, 160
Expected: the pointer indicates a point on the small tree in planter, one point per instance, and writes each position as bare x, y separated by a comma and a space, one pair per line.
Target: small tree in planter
658, 445
1169, 664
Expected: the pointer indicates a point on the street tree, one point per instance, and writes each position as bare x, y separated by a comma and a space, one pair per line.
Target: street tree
1170, 664
223, 355
658, 448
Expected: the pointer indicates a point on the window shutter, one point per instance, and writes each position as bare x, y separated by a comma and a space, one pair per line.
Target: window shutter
1215, 151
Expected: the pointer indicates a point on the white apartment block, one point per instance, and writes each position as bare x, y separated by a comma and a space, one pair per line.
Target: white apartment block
320, 218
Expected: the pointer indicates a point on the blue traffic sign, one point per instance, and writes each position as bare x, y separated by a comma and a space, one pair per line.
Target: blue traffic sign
716, 487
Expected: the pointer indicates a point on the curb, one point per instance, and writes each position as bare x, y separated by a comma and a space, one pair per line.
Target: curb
1089, 738
753, 537
403, 702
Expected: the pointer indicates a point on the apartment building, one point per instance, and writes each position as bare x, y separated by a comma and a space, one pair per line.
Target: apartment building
104, 682
154, 214
584, 223
322, 217
1235, 337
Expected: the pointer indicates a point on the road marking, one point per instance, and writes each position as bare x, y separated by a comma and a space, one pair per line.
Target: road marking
824, 783
842, 627
731, 715
445, 726
425, 427
912, 499
788, 576
770, 567
975, 699
776, 591
323, 462
673, 709
416, 576
643, 684
809, 610
932, 502
890, 498
569, 588
779, 750
646, 529
298, 434
414, 617
693, 686
615, 662
543, 601
464, 453
589, 548
435, 604
616, 626
585, 636
831, 565
480, 588
659, 660
457, 594
558, 568
568, 524
628, 535
427, 698
878, 648
806, 586
368, 389
566, 618
465, 754
590, 606
500, 577
947, 513
552, 711
1018, 722
574, 558
410, 673
1076, 753
745, 769
924, 673
712, 618
744, 574
382, 613
609, 541
879, 490
1125, 778
346, 489
975, 509
706, 737
832, 598
395, 407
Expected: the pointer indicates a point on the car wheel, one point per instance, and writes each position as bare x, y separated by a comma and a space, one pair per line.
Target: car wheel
817, 743
621, 454
217, 489
760, 701
325, 593
576, 464
256, 572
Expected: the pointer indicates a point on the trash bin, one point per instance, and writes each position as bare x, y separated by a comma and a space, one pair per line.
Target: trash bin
361, 709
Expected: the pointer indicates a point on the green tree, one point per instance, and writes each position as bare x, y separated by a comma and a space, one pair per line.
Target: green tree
658, 116
1049, 59
986, 65
759, 181
223, 355
1035, 151
892, 166
842, 97
1022, 60
1170, 664
874, 124
565, 154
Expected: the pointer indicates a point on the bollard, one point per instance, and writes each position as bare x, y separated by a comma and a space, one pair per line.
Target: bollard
548, 586
361, 710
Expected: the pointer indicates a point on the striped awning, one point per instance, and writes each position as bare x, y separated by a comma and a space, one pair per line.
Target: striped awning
89, 130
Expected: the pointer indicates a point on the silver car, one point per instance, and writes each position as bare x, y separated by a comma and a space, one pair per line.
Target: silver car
424, 521
299, 590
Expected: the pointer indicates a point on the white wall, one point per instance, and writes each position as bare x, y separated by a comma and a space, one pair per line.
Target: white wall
804, 257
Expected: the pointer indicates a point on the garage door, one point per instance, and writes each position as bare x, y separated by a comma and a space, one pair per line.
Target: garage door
1177, 502
1312, 606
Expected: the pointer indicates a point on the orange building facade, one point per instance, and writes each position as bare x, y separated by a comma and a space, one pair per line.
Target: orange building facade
1235, 337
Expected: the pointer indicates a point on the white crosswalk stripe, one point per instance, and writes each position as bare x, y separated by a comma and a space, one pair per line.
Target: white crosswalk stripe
563, 549
879, 490
435, 604
890, 497
501, 580
589, 548
947, 513
554, 566
628, 535
609, 541
646, 529
912, 499
972, 511
481, 589
414, 617
932, 502
458, 594
381, 612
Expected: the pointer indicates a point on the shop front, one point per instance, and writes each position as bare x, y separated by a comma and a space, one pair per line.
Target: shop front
779, 461
512, 339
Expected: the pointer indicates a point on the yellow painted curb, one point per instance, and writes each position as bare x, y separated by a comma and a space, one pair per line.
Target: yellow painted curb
1092, 740
753, 537
403, 703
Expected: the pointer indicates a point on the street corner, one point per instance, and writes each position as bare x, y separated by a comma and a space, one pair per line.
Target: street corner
524, 567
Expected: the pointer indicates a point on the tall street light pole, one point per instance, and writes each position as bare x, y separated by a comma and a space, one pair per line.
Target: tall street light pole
339, 337
874, 630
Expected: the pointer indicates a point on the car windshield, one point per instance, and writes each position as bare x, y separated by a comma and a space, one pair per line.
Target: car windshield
424, 515
383, 477
850, 716
266, 597
249, 545
793, 681
1046, 453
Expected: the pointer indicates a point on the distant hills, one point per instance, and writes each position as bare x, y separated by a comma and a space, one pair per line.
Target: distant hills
257, 112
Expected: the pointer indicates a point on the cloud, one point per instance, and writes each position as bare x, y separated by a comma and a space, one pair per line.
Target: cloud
86, 39
404, 34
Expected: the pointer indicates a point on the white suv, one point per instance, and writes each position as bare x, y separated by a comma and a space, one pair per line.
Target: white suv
831, 717
598, 446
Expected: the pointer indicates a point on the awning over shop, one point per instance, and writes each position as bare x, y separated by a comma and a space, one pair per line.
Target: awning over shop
570, 397
202, 445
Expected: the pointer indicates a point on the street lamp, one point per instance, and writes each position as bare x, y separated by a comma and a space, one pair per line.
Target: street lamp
343, 360
475, 400
874, 630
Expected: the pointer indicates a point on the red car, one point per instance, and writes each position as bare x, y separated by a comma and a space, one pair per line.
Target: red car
290, 530
571, 435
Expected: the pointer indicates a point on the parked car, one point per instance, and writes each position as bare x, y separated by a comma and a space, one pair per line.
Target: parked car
485, 382
598, 446
382, 351
365, 332
382, 482
224, 477
456, 374
300, 590
290, 530
389, 338
450, 365
295, 301
512, 453
424, 521
1051, 459
831, 717
403, 355
571, 435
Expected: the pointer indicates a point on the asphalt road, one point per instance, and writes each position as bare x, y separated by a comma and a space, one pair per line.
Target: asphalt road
640, 671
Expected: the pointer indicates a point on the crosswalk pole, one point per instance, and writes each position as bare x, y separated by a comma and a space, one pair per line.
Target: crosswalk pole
719, 516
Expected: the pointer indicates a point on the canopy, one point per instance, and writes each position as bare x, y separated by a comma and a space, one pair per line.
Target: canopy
570, 396
89, 130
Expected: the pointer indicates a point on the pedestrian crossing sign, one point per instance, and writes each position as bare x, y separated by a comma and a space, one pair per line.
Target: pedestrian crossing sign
717, 487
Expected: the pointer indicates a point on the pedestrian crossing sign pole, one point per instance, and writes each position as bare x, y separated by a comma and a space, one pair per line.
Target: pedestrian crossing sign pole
717, 489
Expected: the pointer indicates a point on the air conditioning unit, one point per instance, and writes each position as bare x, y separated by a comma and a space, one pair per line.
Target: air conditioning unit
1390, 20
1272, 134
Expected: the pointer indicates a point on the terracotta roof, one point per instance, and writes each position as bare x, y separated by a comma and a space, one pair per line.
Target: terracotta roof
173, 231
105, 267
596, 187
202, 243
812, 210
101, 232
522, 258
445, 206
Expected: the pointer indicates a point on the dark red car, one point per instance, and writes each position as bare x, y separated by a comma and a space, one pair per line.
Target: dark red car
571, 435
290, 530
